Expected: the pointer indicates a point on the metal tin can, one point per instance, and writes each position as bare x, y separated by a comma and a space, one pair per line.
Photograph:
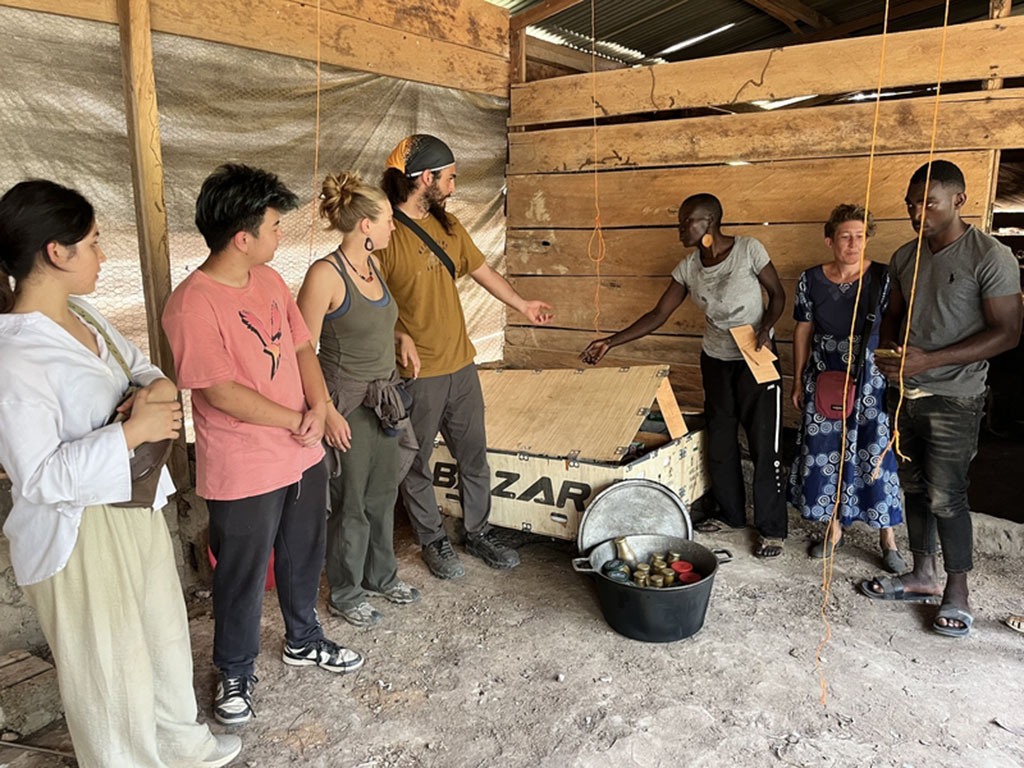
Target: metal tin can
674, 557
657, 580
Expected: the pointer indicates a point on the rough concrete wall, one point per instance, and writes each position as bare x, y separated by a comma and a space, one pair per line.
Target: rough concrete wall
18, 626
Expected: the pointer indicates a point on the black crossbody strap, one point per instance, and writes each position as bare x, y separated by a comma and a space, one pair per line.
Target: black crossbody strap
428, 240
877, 272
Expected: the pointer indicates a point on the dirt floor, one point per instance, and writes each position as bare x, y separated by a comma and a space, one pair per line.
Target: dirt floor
519, 669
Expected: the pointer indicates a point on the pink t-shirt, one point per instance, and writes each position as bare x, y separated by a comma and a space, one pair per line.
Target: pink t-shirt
248, 335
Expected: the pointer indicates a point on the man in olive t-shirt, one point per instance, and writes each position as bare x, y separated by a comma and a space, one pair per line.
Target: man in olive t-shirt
966, 308
419, 178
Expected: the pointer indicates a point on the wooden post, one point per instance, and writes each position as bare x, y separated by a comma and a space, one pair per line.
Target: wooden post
997, 9
148, 187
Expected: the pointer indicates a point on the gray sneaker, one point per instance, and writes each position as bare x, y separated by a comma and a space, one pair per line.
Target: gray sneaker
488, 548
362, 615
442, 560
399, 593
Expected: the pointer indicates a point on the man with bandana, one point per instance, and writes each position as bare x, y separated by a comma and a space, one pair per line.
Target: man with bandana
421, 272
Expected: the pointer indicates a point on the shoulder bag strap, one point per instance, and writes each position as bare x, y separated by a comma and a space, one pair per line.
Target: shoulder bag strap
428, 240
877, 272
111, 346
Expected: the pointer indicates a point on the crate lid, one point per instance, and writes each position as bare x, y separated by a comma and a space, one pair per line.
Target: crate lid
589, 413
632, 507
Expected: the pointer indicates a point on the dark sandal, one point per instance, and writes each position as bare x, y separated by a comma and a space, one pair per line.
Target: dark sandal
893, 561
769, 547
956, 614
708, 526
1016, 623
819, 549
892, 590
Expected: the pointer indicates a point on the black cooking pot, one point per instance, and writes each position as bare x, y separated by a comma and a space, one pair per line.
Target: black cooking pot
654, 615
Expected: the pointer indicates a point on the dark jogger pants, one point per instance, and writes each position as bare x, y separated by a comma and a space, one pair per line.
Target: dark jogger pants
292, 521
732, 397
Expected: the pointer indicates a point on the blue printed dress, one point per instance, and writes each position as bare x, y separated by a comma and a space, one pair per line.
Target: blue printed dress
812, 487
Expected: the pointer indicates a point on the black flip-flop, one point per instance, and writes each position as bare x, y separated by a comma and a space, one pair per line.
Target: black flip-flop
892, 590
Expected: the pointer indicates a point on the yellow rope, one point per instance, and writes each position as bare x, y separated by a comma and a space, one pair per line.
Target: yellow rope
829, 561
597, 235
316, 140
895, 440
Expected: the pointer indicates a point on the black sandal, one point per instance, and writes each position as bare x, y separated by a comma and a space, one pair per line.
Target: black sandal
769, 547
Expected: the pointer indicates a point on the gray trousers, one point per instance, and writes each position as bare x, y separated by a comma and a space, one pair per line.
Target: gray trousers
360, 529
454, 405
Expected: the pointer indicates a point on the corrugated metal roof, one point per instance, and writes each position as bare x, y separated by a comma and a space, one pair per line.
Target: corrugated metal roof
649, 27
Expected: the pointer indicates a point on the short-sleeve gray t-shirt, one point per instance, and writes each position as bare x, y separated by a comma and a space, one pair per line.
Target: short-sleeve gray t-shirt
728, 294
951, 285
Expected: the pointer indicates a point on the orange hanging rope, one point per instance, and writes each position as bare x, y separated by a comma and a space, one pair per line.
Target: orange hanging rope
894, 442
829, 561
597, 236
316, 140
827, 566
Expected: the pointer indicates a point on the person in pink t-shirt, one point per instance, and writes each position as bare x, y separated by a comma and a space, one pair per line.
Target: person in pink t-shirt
259, 402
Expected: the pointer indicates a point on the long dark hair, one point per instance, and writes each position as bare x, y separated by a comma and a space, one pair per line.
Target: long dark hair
397, 186
34, 214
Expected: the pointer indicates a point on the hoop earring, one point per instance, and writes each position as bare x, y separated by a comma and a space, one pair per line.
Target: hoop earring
707, 241
368, 244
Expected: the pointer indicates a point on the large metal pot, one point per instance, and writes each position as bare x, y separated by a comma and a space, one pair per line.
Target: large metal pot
654, 615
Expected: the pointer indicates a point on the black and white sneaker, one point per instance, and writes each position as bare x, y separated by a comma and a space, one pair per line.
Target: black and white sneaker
233, 703
325, 654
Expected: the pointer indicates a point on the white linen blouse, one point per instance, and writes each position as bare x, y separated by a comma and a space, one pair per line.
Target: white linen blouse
56, 397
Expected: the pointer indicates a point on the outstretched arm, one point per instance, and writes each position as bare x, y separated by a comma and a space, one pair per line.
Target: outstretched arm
647, 323
536, 311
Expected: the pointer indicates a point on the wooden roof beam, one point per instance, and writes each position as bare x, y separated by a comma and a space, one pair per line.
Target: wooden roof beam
539, 12
871, 20
789, 12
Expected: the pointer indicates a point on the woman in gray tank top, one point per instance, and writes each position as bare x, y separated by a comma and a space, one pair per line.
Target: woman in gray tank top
346, 303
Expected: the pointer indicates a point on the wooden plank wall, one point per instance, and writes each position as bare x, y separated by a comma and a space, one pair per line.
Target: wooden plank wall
454, 43
799, 164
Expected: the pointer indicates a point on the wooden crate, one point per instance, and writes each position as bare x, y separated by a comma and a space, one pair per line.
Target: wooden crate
556, 438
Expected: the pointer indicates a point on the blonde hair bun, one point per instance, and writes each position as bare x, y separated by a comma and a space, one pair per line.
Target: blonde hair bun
345, 200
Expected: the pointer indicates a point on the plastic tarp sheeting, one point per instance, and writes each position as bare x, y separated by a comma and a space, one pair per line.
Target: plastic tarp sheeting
62, 118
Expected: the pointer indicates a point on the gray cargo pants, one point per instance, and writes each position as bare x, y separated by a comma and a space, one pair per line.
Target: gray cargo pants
454, 405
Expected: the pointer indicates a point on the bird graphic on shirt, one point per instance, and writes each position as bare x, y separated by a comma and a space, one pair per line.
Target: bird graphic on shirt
271, 341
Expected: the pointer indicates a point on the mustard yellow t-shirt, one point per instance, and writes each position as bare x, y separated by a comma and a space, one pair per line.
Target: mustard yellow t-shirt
429, 308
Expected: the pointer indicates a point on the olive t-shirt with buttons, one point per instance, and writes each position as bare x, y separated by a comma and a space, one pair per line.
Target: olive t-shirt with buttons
951, 286
429, 308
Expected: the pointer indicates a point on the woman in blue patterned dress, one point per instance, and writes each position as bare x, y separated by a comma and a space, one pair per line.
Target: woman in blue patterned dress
823, 310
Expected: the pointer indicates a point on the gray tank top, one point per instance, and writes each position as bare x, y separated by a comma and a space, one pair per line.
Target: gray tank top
358, 338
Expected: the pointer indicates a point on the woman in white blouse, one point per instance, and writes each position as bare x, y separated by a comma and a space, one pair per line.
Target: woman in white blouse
102, 579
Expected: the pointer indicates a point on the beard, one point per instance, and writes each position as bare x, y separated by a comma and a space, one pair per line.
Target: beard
436, 199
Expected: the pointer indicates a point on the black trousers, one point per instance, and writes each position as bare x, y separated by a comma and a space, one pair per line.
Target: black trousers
291, 521
732, 397
939, 436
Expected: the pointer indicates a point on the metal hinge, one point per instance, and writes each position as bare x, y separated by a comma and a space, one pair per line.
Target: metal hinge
573, 457
641, 411
622, 450
662, 373
523, 456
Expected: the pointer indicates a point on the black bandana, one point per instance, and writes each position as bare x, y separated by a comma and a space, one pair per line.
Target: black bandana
418, 153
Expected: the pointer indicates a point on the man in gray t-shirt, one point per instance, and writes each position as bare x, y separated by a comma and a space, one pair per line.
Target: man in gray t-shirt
964, 309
